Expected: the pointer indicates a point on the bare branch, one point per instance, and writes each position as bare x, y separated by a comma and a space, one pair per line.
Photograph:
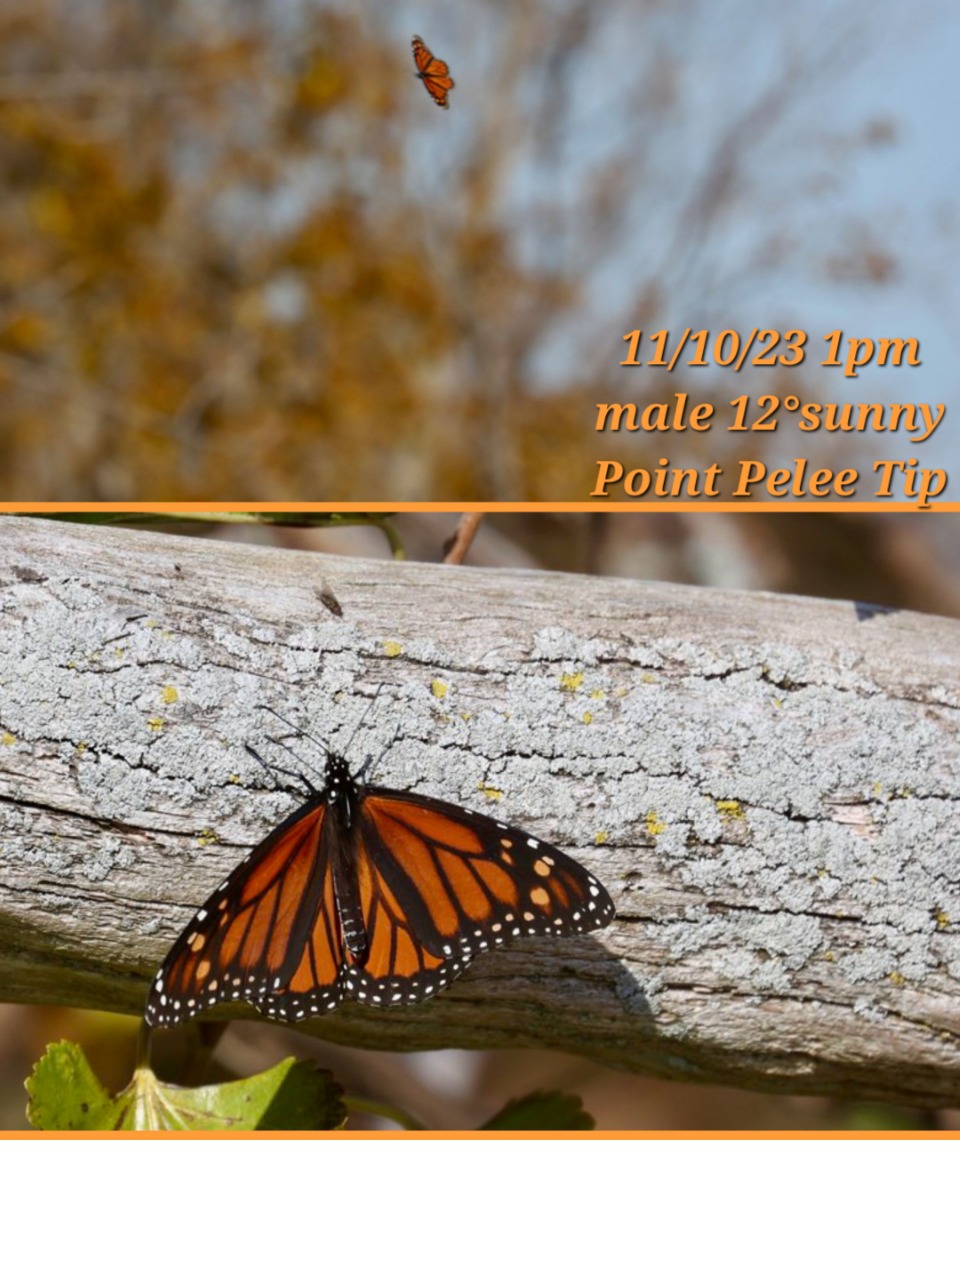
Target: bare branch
456, 548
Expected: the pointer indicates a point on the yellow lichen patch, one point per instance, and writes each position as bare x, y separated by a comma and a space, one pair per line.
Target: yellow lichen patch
942, 919
7, 739
571, 682
169, 694
207, 836
730, 810
119, 651
778, 703
601, 837
647, 678
439, 689
829, 956
897, 978
596, 694
587, 718
156, 723
392, 649
234, 778
655, 826
620, 691
80, 748
151, 624
466, 715
492, 793
821, 873
878, 789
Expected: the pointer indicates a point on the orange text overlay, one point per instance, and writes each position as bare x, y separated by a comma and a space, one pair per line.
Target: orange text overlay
917, 422
680, 414
753, 478
766, 349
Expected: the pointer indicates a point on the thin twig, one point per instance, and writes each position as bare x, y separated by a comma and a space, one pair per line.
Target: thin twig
457, 546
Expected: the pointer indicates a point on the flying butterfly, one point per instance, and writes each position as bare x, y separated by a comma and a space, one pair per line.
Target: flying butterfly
434, 73
369, 894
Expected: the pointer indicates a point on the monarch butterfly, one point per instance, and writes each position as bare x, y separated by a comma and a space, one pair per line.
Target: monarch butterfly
373, 895
434, 73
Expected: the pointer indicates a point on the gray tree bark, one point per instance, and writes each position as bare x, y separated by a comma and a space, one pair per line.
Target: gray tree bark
767, 785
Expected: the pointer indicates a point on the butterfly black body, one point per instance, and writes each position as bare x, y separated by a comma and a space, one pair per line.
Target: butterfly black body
370, 894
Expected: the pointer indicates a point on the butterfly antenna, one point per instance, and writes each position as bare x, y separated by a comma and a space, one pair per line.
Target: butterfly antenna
358, 725
303, 733
361, 773
276, 768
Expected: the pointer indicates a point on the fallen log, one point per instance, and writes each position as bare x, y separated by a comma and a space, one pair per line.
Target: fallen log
767, 785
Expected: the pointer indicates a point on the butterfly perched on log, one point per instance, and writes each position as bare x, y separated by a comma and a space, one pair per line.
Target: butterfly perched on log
369, 894
434, 73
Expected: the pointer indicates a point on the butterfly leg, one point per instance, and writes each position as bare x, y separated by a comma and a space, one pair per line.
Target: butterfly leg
276, 768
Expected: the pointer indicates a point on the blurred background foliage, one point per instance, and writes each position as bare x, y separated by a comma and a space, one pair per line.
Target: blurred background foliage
244, 256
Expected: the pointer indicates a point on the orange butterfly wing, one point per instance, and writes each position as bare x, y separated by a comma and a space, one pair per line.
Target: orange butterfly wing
441, 884
269, 935
434, 73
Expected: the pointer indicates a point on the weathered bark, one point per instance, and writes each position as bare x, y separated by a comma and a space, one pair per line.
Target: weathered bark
767, 785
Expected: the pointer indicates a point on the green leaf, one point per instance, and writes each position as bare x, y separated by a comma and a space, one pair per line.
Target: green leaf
542, 1110
881, 1115
65, 1094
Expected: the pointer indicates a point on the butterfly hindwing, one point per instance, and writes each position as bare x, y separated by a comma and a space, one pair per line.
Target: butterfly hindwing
404, 960
312, 980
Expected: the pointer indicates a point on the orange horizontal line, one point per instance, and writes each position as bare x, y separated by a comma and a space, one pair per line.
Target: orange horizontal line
392, 508
614, 1135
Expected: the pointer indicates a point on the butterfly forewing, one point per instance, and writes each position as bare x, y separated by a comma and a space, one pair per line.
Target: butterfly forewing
472, 881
